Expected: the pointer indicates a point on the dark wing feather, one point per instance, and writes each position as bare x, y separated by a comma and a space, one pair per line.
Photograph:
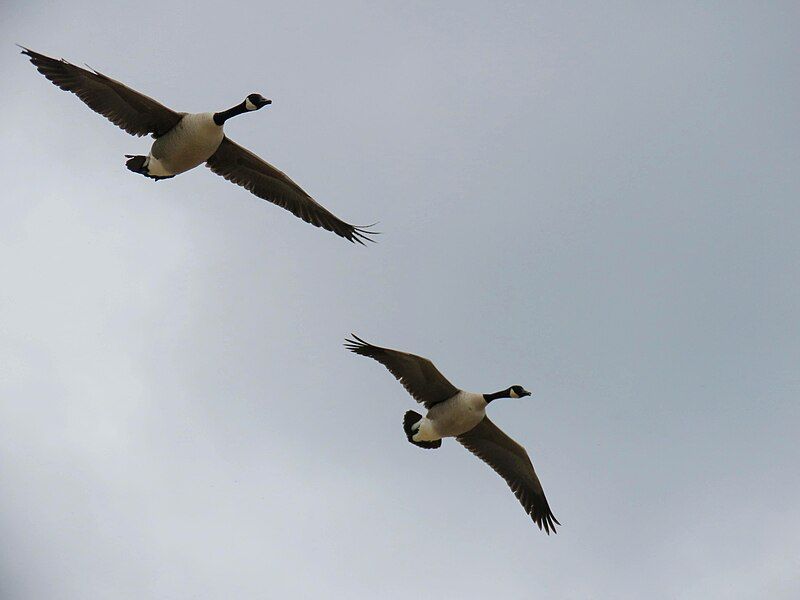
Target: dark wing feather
509, 460
417, 374
240, 166
134, 112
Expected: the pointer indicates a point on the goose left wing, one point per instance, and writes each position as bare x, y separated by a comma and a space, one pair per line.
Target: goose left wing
418, 375
509, 460
126, 108
240, 166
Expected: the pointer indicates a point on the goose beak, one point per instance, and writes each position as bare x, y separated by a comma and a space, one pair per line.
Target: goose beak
526, 393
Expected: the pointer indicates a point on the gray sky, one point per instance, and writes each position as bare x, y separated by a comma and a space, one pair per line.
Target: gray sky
600, 204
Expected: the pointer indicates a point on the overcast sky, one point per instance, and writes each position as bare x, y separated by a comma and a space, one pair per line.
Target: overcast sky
599, 203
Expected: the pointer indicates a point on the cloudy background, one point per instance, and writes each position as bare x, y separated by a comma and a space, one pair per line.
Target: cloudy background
600, 204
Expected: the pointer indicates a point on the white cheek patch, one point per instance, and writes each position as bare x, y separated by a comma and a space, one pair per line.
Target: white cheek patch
514, 394
249, 105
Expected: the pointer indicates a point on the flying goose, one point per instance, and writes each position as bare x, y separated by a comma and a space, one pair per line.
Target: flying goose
455, 413
185, 140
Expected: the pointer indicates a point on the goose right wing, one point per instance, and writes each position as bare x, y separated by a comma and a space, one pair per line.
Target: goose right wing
509, 460
240, 166
126, 108
417, 374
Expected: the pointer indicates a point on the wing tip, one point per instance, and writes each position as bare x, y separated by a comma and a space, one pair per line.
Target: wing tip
361, 233
547, 522
33, 55
42, 62
30, 53
356, 344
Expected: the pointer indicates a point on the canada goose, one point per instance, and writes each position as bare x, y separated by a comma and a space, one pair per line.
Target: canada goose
185, 140
455, 413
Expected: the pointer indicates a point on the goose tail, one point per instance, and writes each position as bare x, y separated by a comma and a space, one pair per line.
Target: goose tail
138, 164
410, 419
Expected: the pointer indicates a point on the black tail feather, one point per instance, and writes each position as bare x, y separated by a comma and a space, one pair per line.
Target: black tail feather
136, 164
412, 418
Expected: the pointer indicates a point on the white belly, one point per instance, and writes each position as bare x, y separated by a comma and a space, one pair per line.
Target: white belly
190, 143
452, 417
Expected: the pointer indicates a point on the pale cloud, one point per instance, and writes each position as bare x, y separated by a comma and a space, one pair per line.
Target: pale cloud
596, 203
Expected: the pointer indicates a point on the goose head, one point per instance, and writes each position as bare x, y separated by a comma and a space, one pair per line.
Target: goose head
517, 391
251, 103
256, 101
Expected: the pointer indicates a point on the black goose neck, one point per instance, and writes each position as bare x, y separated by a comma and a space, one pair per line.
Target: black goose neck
221, 117
496, 395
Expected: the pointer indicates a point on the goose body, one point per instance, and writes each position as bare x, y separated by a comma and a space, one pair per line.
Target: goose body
456, 413
451, 418
190, 143
185, 140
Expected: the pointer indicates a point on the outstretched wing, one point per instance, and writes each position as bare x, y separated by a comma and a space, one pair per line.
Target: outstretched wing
509, 460
126, 108
417, 374
240, 166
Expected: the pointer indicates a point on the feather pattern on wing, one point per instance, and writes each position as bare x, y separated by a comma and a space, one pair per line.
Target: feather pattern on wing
510, 460
126, 108
417, 374
240, 166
